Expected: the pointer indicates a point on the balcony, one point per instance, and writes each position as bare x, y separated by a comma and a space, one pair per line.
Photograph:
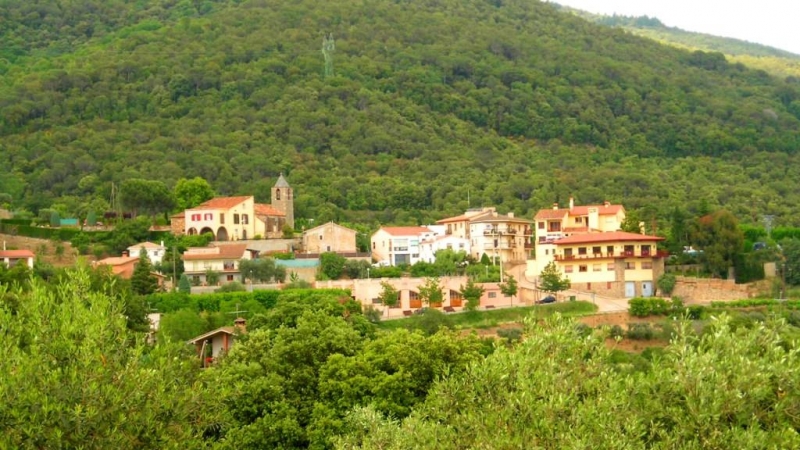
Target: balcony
500, 246
626, 254
529, 246
500, 232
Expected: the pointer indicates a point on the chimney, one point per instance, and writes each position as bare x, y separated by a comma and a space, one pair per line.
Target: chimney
125, 253
571, 203
606, 203
511, 215
162, 243
555, 205
240, 324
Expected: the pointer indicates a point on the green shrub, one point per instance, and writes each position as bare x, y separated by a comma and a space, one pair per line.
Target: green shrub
697, 312
638, 307
233, 286
510, 334
583, 330
640, 331
615, 332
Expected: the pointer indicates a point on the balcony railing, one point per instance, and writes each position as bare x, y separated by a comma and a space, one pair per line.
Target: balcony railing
628, 254
500, 246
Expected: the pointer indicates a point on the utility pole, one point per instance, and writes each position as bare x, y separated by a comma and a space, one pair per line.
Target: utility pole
768, 218
174, 272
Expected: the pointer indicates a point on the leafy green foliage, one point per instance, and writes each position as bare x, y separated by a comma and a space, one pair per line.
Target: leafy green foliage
332, 265
431, 292
509, 288
673, 401
184, 286
389, 295
666, 283
719, 236
552, 280
472, 293
190, 193
177, 90
149, 196
648, 306
76, 376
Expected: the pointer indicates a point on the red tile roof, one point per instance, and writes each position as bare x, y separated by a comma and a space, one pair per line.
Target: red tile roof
146, 245
551, 214
16, 254
406, 231
117, 260
460, 218
613, 236
267, 210
232, 251
222, 202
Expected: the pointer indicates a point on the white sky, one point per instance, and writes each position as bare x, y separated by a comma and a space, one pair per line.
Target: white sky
770, 22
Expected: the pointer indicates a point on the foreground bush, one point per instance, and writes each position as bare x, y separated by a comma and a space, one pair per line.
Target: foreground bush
725, 389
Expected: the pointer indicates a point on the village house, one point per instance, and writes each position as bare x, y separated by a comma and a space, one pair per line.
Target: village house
217, 343
613, 263
13, 257
393, 246
124, 266
239, 218
557, 223
500, 236
329, 237
221, 259
155, 252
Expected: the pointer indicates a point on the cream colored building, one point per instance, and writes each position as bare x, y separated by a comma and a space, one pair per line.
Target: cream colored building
615, 263
155, 252
397, 245
500, 236
557, 223
235, 218
223, 259
330, 237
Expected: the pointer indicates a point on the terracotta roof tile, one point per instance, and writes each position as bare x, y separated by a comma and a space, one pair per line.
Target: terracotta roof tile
460, 218
613, 236
146, 245
267, 210
16, 254
222, 202
406, 231
117, 260
231, 251
551, 214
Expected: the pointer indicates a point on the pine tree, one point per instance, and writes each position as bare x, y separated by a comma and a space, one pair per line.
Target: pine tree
184, 286
143, 282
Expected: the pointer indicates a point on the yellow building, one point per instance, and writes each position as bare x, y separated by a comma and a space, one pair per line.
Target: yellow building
329, 237
235, 218
615, 263
557, 223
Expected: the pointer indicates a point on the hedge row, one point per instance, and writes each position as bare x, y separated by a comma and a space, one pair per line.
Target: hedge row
59, 234
170, 302
749, 303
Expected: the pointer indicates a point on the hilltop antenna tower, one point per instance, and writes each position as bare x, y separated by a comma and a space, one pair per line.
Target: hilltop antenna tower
328, 47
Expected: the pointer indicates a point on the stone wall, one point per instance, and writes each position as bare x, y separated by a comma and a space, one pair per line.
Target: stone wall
705, 290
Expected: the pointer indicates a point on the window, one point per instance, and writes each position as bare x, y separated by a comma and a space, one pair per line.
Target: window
229, 278
222, 218
568, 253
583, 268
630, 266
581, 250
244, 234
589, 286
208, 216
245, 219
376, 301
373, 244
597, 268
277, 194
541, 225
567, 269
596, 250
288, 194
610, 249
610, 266
196, 279
647, 265
547, 252
228, 265
320, 238
236, 219
492, 294
608, 285
579, 220
196, 217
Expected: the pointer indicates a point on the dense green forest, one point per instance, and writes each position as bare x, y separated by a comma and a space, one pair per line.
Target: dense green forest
514, 102
773, 60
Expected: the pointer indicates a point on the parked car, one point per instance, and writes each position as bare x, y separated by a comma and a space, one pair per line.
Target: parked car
548, 299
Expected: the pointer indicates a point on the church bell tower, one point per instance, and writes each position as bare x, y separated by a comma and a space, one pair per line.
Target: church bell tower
283, 199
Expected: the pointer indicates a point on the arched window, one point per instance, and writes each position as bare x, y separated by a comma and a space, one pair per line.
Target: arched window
277, 194
244, 219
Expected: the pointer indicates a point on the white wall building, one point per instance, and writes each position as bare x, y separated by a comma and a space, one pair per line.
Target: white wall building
155, 252
398, 245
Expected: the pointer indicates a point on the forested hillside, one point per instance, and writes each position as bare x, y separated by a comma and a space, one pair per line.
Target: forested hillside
512, 101
773, 60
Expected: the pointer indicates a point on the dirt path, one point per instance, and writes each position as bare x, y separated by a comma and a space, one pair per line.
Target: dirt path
44, 249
